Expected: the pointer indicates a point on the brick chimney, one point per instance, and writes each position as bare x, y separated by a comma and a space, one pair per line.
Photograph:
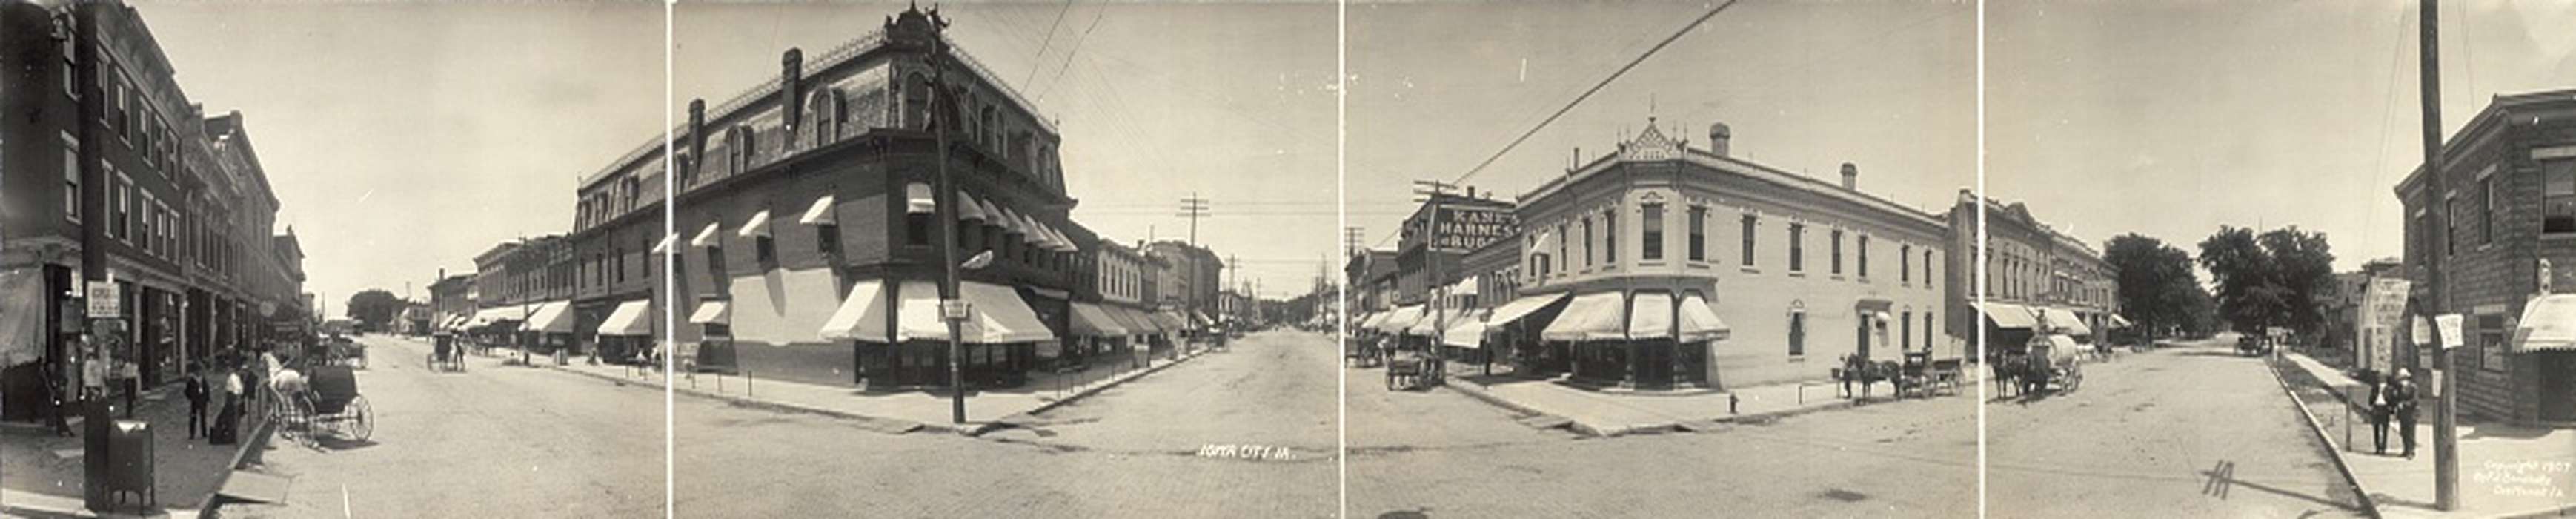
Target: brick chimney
1717, 136
1851, 177
790, 78
698, 131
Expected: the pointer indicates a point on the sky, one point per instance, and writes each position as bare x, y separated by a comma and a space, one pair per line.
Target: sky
2170, 119
1437, 88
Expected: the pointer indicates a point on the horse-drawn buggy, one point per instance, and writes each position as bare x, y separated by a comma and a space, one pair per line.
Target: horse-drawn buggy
2046, 359
1413, 368
447, 353
325, 400
1361, 349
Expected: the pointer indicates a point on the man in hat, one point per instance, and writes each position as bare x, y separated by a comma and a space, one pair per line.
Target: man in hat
2401, 403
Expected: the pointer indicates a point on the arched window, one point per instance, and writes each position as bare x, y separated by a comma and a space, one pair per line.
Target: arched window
916, 102
818, 110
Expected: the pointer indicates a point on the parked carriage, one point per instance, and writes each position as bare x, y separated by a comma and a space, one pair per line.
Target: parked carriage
1412, 368
328, 401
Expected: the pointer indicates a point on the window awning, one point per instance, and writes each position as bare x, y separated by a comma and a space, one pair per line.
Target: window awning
712, 312
1203, 319
1135, 323
2007, 315
551, 317
968, 210
707, 237
757, 226
1397, 320
862, 315
2548, 323
1650, 315
1030, 232
1431, 321
1590, 317
1699, 322
1091, 321
1171, 322
665, 245
628, 320
2119, 322
993, 215
917, 199
998, 315
1464, 287
1011, 222
1467, 331
1062, 243
1523, 307
2063, 319
821, 212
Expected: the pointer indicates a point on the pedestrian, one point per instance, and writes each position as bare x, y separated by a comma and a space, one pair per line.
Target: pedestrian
2401, 402
93, 378
228, 422
2380, 412
197, 393
129, 377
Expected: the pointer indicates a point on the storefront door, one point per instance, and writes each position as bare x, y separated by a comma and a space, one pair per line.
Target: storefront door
1654, 363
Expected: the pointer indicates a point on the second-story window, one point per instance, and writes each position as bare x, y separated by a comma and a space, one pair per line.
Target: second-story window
1561, 246
1587, 242
1698, 233
71, 178
1797, 247
1864, 256
1904, 263
1653, 227
2558, 196
1837, 238
1749, 222
1927, 274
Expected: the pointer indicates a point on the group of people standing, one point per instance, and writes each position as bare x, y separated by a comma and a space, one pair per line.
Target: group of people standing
2393, 397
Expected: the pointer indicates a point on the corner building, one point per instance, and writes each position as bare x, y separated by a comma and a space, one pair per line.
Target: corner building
2508, 183
1668, 266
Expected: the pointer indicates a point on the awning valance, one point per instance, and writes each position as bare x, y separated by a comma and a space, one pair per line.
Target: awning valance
2007, 315
1590, 317
2548, 323
1092, 321
551, 317
712, 312
757, 226
1699, 322
2065, 320
1468, 331
1397, 320
917, 199
1523, 307
707, 237
820, 213
628, 320
1650, 315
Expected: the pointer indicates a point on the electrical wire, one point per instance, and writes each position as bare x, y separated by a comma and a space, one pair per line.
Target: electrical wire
1596, 88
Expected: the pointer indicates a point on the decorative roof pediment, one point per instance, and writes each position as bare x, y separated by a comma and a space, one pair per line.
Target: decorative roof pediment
1651, 145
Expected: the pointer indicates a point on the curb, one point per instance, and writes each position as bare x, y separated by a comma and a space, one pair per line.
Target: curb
1473, 390
1085, 393
259, 440
2368, 505
894, 426
1480, 393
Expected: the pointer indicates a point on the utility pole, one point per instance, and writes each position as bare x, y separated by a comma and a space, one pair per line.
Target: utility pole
2446, 458
1193, 208
943, 198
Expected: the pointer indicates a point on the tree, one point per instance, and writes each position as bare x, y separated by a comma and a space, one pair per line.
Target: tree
2158, 291
375, 307
2269, 280
2303, 272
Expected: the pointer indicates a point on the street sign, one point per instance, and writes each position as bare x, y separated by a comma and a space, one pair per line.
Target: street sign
954, 309
103, 300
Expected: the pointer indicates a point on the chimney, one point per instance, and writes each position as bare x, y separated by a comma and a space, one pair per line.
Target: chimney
698, 131
1717, 136
1851, 177
791, 75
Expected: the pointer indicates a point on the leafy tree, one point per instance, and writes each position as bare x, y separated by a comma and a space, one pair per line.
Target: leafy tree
375, 307
2267, 280
2158, 290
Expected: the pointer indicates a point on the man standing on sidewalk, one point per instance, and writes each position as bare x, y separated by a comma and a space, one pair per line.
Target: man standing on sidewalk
2401, 402
197, 394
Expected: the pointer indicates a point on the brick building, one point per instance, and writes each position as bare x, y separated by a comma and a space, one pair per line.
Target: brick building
2508, 182
2039, 280
115, 174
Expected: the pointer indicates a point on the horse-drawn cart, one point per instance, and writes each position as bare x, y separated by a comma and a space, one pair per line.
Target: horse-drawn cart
1408, 368
327, 401
2044, 360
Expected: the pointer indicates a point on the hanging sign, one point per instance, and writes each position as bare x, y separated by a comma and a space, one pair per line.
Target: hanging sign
104, 301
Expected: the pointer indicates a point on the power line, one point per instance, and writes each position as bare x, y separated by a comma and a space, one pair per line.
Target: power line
1596, 88
1038, 60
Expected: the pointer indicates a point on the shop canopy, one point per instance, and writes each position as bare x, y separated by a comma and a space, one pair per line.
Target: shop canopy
1432, 320
628, 320
1168, 321
1650, 315
1368, 320
998, 315
712, 312
1590, 317
862, 315
1400, 318
22, 316
1135, 323
2065, 320
1203, 319
1518, 308
1466, 331
1090, 320
2548, 324
551, 317
1699, 322
2007, 315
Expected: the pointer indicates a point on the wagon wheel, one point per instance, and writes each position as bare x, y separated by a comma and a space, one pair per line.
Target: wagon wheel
304, 419
358, 422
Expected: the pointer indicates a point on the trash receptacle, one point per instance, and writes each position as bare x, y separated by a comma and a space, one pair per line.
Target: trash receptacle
130, 462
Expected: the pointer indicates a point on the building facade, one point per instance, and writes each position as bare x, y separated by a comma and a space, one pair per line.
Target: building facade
2038, 280
116, 176
1669, 265
1198, 277
2507, 189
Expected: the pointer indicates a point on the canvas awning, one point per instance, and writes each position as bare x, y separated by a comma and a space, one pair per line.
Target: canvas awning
1431, 321
917, 199
2548, 323
1091, 321
628, 320
1135, 323
1523, 307
22, 316
2007, 315
1170, 322
1466, 331
665, 245
998, 315
993, 215
1397, 320
2119, 322
1203, 319
757, 226
968, 210
551, 317
1590, 317
2066, 320
861, 316
1699, 322
715, 312
820, 213
1650, 315
707, 237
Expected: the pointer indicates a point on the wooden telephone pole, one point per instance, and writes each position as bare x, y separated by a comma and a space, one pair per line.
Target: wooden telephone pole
2446, 458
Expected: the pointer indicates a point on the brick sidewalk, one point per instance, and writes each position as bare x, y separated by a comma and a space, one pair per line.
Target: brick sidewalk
1612, 413
41, 474
2505, 470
